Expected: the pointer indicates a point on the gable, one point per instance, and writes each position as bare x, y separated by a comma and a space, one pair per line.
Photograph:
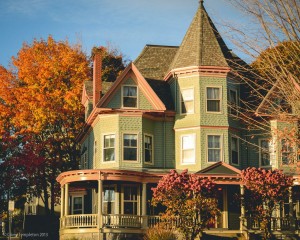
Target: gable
147, 99
220, 168
142, 101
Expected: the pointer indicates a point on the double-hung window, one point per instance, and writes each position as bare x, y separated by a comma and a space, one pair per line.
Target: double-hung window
130, 201
188, 149
287, 152
234, 150
233, 102
130, 96
213, 97
84, 161
130, 147
187, 100
108, 200
109, 148
214, 148
77, 205
148, 149
264, 152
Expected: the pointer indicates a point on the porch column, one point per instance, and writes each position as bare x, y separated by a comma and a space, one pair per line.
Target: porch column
243, 222
291, 208
144, 206
100, 190
66, 205
62, 202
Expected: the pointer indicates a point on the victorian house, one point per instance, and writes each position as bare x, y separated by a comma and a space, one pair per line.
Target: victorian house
167, 110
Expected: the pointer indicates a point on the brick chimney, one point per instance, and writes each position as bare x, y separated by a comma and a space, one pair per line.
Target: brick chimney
97, 81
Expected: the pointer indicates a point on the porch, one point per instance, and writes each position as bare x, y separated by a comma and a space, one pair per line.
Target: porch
138, 224
99, 203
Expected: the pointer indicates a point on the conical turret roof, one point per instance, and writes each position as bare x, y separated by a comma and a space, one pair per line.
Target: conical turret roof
202, 44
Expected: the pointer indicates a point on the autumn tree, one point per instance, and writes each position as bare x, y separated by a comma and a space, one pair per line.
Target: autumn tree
41, 97
113, 62
190, 201
40, 105
268, 189
272, 42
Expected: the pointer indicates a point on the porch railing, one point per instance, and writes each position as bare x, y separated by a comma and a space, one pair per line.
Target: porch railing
79, 221
277, 223
122, 221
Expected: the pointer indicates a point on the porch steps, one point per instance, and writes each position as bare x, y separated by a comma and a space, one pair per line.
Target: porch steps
277, 235
223, 235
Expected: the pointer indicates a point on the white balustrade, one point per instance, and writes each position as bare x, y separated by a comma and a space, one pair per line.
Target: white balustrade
79, 221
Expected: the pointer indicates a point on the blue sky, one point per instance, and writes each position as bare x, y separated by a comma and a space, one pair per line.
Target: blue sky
127, 24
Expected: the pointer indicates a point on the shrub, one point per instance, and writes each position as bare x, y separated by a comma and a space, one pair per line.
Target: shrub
158, 232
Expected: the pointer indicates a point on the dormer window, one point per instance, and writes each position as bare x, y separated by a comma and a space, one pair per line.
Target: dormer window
130, 96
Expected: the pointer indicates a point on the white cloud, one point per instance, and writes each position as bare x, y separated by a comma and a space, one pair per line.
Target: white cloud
25, 7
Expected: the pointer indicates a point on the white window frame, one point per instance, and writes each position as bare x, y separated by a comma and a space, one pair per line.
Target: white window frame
220, 99
137, 96
152, 149
234, 105
238, 150
115, 198
182, 101
289, 153
137, 201
221, 148
182, 149
260, 152
103, 147
137, 147
84, 160
77, 196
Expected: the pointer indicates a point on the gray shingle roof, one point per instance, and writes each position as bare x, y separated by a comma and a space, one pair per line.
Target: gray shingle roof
202, 44
163, 91
154, 61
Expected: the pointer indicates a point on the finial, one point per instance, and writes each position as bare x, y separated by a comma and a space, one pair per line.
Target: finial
201, 2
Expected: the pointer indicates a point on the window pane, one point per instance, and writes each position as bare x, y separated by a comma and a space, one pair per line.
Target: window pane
214, 141
213, 105
109, 154
188, 149
213, 155
148, 149
234, 151
130, 154
188, 156
77, 205
188, 142
187, 101
130, 96
264, 152
214, 148
129, 102
213, 93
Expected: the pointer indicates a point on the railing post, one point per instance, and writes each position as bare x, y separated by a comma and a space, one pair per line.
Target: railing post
62, 188
242, 217
144, 206
291, 209
66, 200
100, 189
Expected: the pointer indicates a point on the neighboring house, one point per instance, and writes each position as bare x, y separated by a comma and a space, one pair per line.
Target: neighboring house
167, 110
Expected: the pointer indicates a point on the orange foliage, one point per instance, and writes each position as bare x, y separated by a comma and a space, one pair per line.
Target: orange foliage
47, 84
